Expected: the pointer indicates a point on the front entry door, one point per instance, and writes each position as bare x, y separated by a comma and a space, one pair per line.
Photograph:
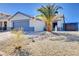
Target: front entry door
5, 26
55, 26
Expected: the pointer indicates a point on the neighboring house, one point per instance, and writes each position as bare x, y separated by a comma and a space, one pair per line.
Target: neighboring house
26, 22
4, 21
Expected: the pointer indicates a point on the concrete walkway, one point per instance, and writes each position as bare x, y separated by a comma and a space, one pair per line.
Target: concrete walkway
4, 35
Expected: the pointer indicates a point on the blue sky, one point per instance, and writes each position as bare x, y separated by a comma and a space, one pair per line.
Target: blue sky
70, 10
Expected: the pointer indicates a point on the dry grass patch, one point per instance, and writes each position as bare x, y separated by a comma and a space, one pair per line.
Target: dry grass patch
54, 48
17, 39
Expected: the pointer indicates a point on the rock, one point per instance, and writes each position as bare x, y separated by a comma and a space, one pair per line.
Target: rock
2, 53
33, 40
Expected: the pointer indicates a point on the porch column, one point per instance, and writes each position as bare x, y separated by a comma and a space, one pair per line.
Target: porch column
2, 25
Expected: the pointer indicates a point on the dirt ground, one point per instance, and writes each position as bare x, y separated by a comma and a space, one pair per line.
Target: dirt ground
42, 44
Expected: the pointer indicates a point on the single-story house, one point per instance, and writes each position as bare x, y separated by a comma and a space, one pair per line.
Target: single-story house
26, 22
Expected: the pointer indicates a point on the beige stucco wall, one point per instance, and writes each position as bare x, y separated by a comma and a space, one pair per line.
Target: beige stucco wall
37, 24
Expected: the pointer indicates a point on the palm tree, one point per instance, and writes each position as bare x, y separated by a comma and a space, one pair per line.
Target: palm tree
48, 14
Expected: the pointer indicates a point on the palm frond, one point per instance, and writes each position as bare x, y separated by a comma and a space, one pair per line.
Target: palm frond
41, 17
49, 11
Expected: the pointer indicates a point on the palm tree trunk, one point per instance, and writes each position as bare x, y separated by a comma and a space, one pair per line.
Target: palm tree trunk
49, 26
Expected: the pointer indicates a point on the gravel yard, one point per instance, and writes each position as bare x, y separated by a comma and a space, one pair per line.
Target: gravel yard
41, 44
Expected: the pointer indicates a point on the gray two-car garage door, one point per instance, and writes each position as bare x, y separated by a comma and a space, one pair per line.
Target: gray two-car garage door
17, 24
